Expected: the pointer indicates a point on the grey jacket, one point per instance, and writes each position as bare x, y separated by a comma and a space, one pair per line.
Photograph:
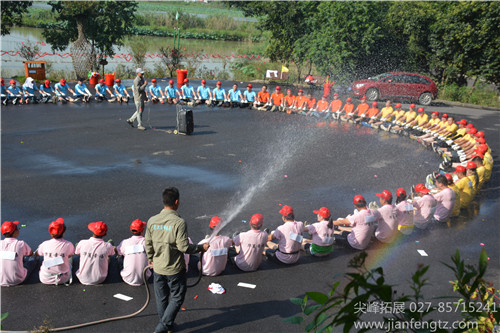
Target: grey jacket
139, 89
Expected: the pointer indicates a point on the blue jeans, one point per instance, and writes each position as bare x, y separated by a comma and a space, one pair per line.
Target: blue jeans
165, 286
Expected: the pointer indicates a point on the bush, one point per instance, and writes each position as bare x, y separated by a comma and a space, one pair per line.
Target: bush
478, 94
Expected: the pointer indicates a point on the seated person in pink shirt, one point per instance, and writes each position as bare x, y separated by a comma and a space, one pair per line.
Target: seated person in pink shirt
251, 245
289, 236
321, 243
362, 223
404, 212
134, 255
425, 206
12, 253
387, 227
56, 253
445, 200
215, 259
94, 255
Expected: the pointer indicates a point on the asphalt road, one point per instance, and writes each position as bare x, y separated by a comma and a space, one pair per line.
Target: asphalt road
85, 164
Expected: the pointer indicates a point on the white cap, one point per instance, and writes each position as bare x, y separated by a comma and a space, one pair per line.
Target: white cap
139, 70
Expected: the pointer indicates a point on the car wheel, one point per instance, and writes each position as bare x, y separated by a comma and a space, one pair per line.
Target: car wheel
372, 94
425, 98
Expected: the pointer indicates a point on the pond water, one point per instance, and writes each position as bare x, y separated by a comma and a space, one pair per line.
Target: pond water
12, 65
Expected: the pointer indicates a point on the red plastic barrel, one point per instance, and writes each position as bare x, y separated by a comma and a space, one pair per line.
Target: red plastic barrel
94, 79
181, 75
110, 79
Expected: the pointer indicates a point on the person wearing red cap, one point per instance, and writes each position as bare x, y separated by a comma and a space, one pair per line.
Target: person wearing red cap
204, 93
396, 116
214, 261
335, 107
385, 116
166, 242
219, 95
371, 114
48, 93
289, 236
278, 100
321, 109
415, 128
431, 125
404, 212
425, 206
3, 92
134, 255
322, 234
63, 90
101, 91
362, 223
234, 96
121, 91
15, 94
456, 206
288, 101
464, 184
140, 96
251, 245
405, 121
348, 110
13, 251
56, 253
82, 92
94, 255
361, 110
310, 105
300, 102
480, 170
471, 173
445, 198
172, 94
249, 97
387, 227
188, 95
263, 98
155, 92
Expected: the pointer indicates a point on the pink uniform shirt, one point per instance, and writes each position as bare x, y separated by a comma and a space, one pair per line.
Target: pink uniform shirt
387, 223
215, 259
252, 245
445, 203
12, 270
424, 211
94, 258
289, 248
321, 234
363, 226
52, 250
404, 213
134, 260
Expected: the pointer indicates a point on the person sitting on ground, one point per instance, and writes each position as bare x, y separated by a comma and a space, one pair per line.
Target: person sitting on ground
371, 114
215, 259
101, 91
445, 200
219, 95
248, 97
134, 256
480, 170
155, 92
172, 93
415, 126
464, 184
335, 107
361, 110
456, 206
386, 216
347, 110
321, 243
407, 118
289, 236
62, 90
263, 98
288, 101
250, 245
300, 102
321, 109
277, 99
385, 115
234, 96
204, 93
29, 89
396, 115
3, 91
121, 92
470, 171
404, 212
15, 94
188, 93
425, 207
94, 255
56, 253
47, 92
13, 251
82, 92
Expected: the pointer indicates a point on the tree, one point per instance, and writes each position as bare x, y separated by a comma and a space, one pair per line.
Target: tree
12, 13
91, 26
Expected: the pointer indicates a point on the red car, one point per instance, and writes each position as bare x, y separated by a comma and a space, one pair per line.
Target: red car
396, 85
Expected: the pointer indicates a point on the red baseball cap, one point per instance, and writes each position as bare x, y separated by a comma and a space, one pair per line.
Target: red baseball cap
374, 103
171, 82
289, 90
420, 188
472, 131
469, 125
445, 115
480, 134
348, 99
412, 105
214, 222
249, 86
12, 81
218, 82
482, 140
358, 199
459, 169
323, 212
9, 227
420, 110
325, 96
300, 90
481, 156
286, 210
98, 228
448, 176
463, 122
364, 97
386, 195
397, 105
257, 220
56, 227
118, 80
47, 82
278, 88
186, 80
154, 80
203, 81
436, 113
335, 94
400, 191
137, 225
63, 81
101, 81
481, 149
471, 165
